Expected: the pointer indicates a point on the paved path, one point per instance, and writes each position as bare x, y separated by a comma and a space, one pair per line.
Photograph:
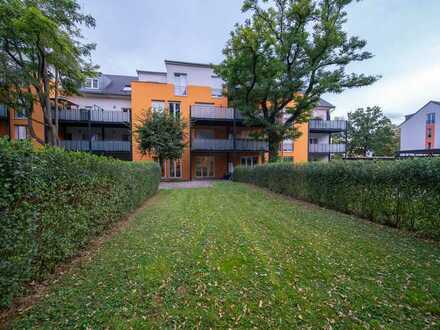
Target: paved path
188, 184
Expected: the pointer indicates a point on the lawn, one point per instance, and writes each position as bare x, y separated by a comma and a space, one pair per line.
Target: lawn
234, 256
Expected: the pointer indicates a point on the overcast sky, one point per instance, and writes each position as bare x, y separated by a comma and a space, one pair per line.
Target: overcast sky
404, 36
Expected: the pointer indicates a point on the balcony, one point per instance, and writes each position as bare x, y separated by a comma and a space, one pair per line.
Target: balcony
326, 148
213, 113
96, 146
3, 111
228, 145
97, 116
316, 125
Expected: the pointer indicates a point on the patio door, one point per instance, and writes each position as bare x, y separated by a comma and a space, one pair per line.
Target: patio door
205, 166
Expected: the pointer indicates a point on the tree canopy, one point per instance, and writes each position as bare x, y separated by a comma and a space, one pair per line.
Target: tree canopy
161, 135
370, 130
41, 55
284, 57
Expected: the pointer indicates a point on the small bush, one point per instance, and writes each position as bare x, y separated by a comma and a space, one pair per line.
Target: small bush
402, 194
53, 202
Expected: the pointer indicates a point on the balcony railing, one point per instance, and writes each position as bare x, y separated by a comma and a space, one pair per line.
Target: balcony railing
102, 116
328, 125
228, 145
326, 148
3, 111
210, 112
97, 146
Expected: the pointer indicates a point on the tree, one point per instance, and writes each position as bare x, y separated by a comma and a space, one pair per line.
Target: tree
161, 135
42, 56
284, 57
370, 130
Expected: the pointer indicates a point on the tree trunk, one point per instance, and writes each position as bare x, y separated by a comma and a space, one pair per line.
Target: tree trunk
274, 147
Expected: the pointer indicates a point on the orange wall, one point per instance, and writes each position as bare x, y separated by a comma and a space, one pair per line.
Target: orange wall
142, 95
300, 152
38, 122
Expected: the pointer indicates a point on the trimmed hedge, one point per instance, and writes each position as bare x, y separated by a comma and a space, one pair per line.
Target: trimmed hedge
52, 202
401, 193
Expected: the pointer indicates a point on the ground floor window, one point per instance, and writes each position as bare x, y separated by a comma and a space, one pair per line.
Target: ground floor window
172, 169
20, 132
249, 161
205, 166
288, 159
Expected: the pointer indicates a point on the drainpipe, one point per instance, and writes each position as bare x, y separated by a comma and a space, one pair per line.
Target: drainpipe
190, 144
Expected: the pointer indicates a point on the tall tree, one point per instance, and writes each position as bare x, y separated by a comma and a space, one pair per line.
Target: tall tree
161, 135
284, 57
41, 56
370, 130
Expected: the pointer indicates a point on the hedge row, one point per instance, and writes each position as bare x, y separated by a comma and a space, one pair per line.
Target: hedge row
403, 194
53, 202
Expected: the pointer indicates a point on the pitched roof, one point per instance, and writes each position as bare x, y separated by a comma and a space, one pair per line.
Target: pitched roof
110, 84
408, 117
324, 104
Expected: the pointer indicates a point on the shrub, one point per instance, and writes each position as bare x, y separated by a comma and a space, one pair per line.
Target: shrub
53, 202
402, 194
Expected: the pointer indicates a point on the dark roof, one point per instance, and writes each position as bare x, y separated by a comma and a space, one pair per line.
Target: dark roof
324, 104
408, 117
110, 84
198, 65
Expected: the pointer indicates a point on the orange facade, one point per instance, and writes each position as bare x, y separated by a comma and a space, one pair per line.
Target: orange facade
200, 164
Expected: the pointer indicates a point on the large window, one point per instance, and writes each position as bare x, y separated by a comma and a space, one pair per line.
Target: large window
174, 109
20, 132
158, 106
249, 161
430, 118
91, 83
172, 169
180, 83
205, 167
287, 145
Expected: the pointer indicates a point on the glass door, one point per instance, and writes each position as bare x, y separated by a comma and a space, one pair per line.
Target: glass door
205, 167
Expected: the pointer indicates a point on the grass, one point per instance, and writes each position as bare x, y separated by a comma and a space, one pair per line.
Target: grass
234, 256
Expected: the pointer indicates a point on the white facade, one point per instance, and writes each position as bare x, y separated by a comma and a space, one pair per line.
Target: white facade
107, 103
413, 130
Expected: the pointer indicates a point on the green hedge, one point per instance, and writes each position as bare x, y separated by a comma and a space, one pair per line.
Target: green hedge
53, 202
403, 193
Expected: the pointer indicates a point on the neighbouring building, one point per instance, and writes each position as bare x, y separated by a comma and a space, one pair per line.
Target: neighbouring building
420, 132
102, 120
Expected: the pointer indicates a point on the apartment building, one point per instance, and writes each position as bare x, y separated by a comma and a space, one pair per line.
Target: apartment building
102, 120
420, 132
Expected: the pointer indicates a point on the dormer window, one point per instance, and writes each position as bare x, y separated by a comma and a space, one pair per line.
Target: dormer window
91, 83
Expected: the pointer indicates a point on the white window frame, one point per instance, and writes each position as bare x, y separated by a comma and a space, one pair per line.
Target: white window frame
20, 132
287, 146
172, 109
157, 106
249, 161
91, 83
172, 169
180, 85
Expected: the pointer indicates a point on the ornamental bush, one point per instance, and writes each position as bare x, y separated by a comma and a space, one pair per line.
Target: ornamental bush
402, 193
52, 202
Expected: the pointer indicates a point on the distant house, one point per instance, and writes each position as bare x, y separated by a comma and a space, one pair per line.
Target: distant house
420, 132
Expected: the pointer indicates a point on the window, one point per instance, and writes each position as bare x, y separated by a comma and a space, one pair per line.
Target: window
91, 83
288, 159
180, 83
287, 145
157, 106
126, 109
205, 167
175, 169
430, 118
429, 133
250, 161
20, 114
174, 109
429, 145
313, 141
204, 133
20, 132
217, 92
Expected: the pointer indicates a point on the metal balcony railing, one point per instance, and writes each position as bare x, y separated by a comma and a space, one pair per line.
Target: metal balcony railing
211, 112
328, 125
326, 148
102, 116
97, 146
228, 145
3, 111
